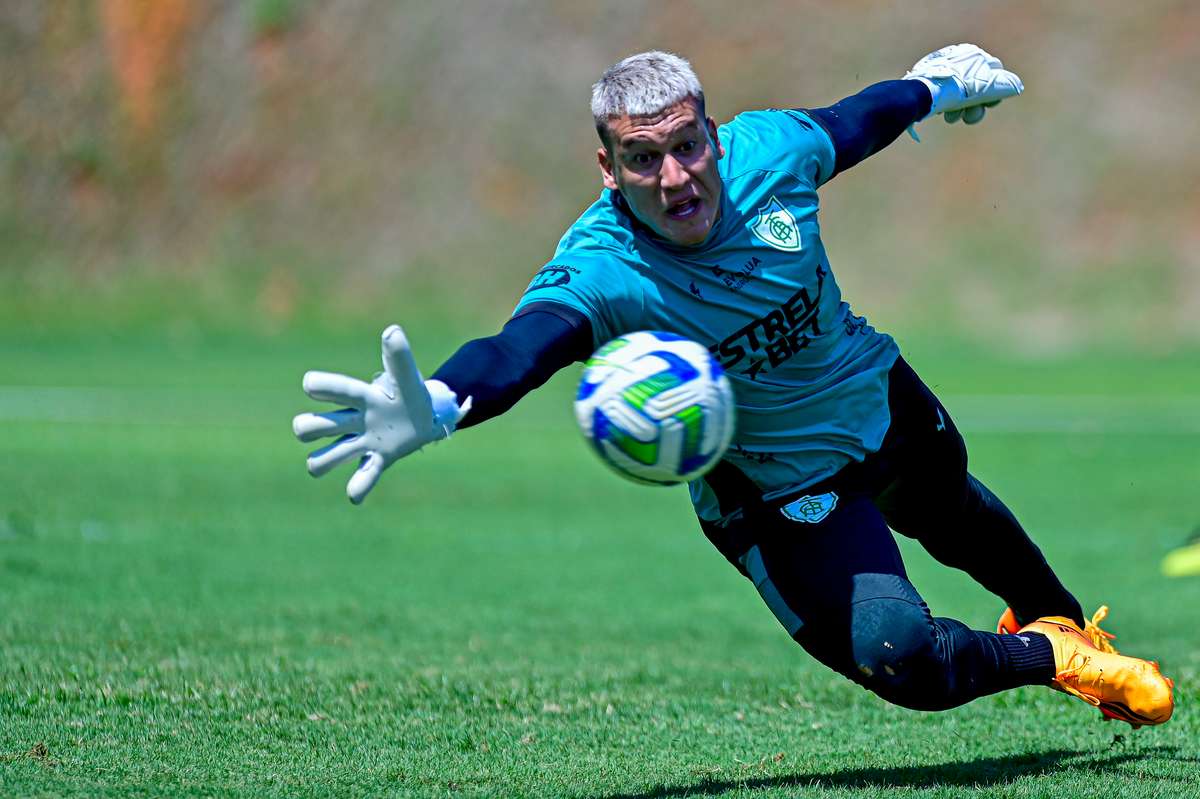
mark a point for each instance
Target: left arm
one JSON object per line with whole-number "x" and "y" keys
{"x": 863, "y": 124}
{"x": 960, "y": 81}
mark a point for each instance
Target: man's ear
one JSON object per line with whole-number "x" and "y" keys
{"x": 712, "y": 131}
{"x": 606, "y": 169}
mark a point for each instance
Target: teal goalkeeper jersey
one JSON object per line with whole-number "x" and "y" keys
{"x": 810, "y": 377}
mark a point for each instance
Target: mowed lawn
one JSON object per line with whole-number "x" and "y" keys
{"x": 183, "y": 611}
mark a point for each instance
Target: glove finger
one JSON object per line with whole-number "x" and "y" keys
{"x": 363, "y": 480}
{"x": 952, "y": 116}
{"x": 1006, "y": 84}
{"x": 973, "y": 115}
{"x": 311, "y": 426}
{"x": 340, "y": 451}
{"x": 399, "y": 364}
{"x": 330, "y": 387}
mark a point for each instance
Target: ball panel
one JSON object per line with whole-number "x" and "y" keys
{"x": 656, "y": 407}
{"x": 640, "y": 451}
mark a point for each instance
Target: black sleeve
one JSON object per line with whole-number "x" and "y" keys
{"x": 497, "y": 371}
{"x": 863, "y": 124}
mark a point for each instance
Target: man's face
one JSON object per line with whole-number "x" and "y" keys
{"x": 665, "y": 166}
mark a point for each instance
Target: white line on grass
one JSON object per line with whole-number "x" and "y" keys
{"x": 229, "y": 407}
{"x": 1080, "y": 414}
{"x": 234, "y": 407}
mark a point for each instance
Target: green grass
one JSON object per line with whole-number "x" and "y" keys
{"x": 183, "y": 611}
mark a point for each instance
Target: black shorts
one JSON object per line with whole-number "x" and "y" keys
{"x": 922, "y": 459}
{"x": 817, "y": 540}
{"x": 824, "y": 560}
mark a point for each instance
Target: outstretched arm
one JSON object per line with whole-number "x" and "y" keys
{"x": 960, "y": 81}
{"x": 863, "y": 124}
{"x": 398, "y": 412}
{"x": 497, "y": 371}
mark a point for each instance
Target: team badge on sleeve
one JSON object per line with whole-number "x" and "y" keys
{"x": 810, "y": 509}
{"x": 776, "y": 226}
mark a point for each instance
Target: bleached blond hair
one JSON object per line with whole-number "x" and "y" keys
{"x": 643, "y": 85}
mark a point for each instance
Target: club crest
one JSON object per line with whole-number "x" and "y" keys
{"x": 810, "y": 509}
{"x": 776, "y": 226}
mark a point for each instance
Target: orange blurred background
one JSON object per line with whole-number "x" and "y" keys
{"x": 297, "y": 159}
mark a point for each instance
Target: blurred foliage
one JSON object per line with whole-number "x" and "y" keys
{"x": 286, "y": 160}
{"x": 274, "y": 17}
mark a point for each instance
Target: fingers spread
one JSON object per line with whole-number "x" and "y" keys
{"x": 398, "y": 362}
{"x": 363, "y": 480}
{"x": 330, "y": 387}
{"x": 340, "y": 451}
{"x": 311, "y": 426}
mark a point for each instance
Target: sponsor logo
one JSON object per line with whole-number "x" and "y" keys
{"x": 776, "y": 227}
{"x": 810, "y": 509}
{"x": 757, "y": 457}
{"x": 855, "y": 325}
{"x": 737, "y": 278}
{"x": 550, "y": 276}
{"x": 776, "y": 336}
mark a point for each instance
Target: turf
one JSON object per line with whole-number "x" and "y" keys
{"x": 183, "y": 611}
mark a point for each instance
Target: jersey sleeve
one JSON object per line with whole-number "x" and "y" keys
{"x": 863, "y": 124}
{"x": 781, "y": 140}
{"x": 495, "y": 372}
{"x": 601, "y": 288}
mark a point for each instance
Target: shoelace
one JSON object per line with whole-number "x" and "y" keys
{"x": 1069, "y": 675}
{"x": 1067, "y": 679}
{"x": 1100, "y": 638}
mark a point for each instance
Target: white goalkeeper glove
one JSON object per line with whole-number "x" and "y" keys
{"x": 965, "y": 80}
{"x": 394, "y": 415}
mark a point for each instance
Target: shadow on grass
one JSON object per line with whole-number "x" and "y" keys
{"x": 978, "y": 773}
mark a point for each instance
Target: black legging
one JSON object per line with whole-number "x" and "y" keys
{"x": 838, "y": 585}
{"x": 919, "y": 482}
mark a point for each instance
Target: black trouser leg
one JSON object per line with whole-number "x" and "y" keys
{"x": 840, "y": 589}
{"x": 932, "y": 498}
{"x": 833, "y": 576}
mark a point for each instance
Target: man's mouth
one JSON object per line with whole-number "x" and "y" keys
{"x": 685, "y": 209}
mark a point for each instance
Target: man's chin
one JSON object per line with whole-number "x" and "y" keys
{"x": 686, "y": 233}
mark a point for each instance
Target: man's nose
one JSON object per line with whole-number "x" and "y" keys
{"x": 674, "y": 176}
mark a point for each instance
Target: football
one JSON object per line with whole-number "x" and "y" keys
{"x": 656, "y": 407}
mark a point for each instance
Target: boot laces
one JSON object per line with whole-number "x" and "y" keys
{"x": 1101, "y": 639}
{"x": 1068, "y": 677}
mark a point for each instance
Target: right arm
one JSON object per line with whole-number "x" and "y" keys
{"x": 398, "y": 412}
{"x": 495, "y": 372}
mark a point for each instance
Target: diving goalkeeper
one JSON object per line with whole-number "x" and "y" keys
{"x": 711, "y": 233}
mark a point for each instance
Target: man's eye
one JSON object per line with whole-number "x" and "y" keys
{"x": 686, "y": 147}
{"x": 643, "y": 159}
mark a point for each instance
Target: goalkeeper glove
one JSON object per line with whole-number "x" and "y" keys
{"x": 965, "y": 80}
{"x": 392, "y": 416}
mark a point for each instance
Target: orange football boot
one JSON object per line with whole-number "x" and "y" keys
{"x": 1101, "y": 639}
{"x": 1125, "y": 688}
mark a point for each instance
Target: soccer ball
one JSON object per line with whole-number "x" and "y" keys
{"x": 656, "y": 407}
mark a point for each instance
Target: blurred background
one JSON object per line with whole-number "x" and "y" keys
{"x": 263, "y": 166}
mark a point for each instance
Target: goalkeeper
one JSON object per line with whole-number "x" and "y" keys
{"x": 711, "y": 233}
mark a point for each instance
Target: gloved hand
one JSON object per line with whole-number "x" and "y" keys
{"x": 965, "y": 80}
{"x": 395, "y": 414}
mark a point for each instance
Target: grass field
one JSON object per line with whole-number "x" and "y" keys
{"x": 183, "y": 611}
